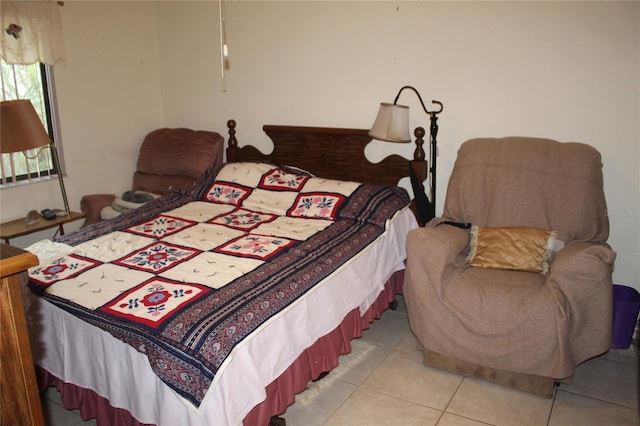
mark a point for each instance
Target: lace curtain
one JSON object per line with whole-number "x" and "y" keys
{"x": 31, "y": 32}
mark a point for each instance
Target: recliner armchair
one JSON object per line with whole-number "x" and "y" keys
{"x": 168, "y": 158}
{"x": 526, "y": 330}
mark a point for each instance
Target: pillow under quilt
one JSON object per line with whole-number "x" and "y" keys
{"x": 289, "y": 191}
{"x": 279, "y": 190}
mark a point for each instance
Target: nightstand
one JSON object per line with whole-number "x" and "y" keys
{"x": 18, "y": 227}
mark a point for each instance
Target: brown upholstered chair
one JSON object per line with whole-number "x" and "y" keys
{"x": 168, "y": 158}
{"x": 526, "y": 330}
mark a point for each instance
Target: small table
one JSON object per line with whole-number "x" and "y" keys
{"x": 18, "y": 227}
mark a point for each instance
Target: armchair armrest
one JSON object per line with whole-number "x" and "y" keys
{"x": 91, "y": 205}
{"x": 433, "y": 250}
{"x": 444, "y": 241}
{"x": 580, "y": 265}
{"x": 433, "y": 253}
{"x": 581, "y": 283}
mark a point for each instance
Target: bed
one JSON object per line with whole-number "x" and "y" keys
{"x": 192, "y": 343}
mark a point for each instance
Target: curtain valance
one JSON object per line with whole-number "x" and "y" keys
{"x": 31, "y": 32}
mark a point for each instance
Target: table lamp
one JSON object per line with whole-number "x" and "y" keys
{"x": 21, "y": 130}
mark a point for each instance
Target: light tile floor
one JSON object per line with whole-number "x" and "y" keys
{"x": 388, "y": 385}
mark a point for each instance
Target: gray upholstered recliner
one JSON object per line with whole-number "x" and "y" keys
{"x": 521, "y": 329}
{"x": 168, "y": 158}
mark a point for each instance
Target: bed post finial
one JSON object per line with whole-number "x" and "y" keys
{"x": 232, "y": 145}
{"x": 231, "y": 125}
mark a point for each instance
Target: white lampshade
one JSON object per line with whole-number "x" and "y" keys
{"x": 392, "y": 123}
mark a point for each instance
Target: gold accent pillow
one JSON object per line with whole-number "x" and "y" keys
{"x": 515, "y": 248}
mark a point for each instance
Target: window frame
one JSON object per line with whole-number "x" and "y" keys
{"x": 51, "y": 124}
{"x": 51, "y": 110}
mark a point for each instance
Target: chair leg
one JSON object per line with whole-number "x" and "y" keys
{"x": 277, "y": 421}
{"x": 393, "y": 305}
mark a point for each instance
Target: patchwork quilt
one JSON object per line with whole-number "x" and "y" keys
{"x": 185, "y": 278}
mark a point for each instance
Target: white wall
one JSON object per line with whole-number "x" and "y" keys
{"x": 564, "y": 70}
{"x": 108, "y": 94}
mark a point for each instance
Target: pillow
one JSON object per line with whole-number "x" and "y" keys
{"x": 137, "y": 197}
{"x": 132, "y": 200}
{"x": 514, "y": 248}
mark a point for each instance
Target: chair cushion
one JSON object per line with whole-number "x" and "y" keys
{"x": 518, "y": 248}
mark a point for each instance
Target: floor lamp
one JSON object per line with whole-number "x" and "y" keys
{"x": 392, "y": 125}
{"x": 21, "y": 129}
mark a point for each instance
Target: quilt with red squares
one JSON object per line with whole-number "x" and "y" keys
{"x": 185, "y": 278}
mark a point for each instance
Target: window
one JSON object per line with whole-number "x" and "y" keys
{"x": 31, "y": 82}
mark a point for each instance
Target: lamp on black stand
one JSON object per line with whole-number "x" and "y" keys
{"x": 392, "y": 125}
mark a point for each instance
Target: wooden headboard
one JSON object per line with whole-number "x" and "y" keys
{"x": 332, "y": 153}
